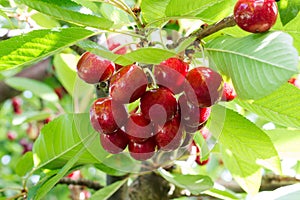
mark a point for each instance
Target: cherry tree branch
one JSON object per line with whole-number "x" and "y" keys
{"x": 82, "y": 182}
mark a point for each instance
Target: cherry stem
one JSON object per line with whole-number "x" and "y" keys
{"x": 148, "y": 71}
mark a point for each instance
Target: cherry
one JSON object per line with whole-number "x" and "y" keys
{"x": 106, "y": 115}
{"x": 113, "y": 45}
{"x": 192, "y": 115}
{"x": 138, "y": 128}
{"x": 94, "y": 69}
{"x": 204, "y": 86}
{"x": 16, "y": 104}
{"x": 60, "y": 92}
{"x": 295, "y": 81}
{"x": 115, "y": 142}
{"x": 169, "y": 136}
{"x": 142, "y": 151}
{"x": 128, "y": 84}
{"x": 255, "y": 16}
{"x": 75, "y": 175}
{"x": 27, "y": 146}
{"x": 228, "y": 92}
{"x": 171, "y": 74}
{"x": 158, "y": 105}
{"x": 11, "y": 135}
{"x": 205, "y": 133}
{"x": 198, "y": 157}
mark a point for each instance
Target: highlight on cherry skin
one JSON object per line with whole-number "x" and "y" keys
{"x": 166, "y": 113}
{"x": 255, "y": 16}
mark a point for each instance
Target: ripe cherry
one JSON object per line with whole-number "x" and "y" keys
{"x": 204, "y": 86}
{"x": 171, "y": 74}
{"x": 138, "y": 128}
{"x": 11, "y": 135}
{"x": 142, "y": 151}
{"x": 159, "y": 105}
{"x": 94, "y": 69}
{"x": 115, "y": 142}
{"x": 255, "y": 16}
{"x": 107, "y": 115}
{"x": 128, "y": 84}
{"x": 192, "y": 115}
{"x": 114, "y": 45}
{"x": 228, "y": 92}
{"x": 16, "y": 104}
{"x": 198, "y": 157}
{"x": 169, "y": 136}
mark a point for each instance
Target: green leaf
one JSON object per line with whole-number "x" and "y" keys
{"x": 145, "y": 55}
{"x": 286, "y": 142}
{"x": 194, "y": 183}
{"x": 62, "y": 138}
{"x": 258, "y": 64}
{"x": 65, "y": 67}
{"x": 244, "y": 147}
{"x": 288, "y": 10}
{"x": 49, "y": 184}
{"x": 95, "y": 48}
{"x": 201, "y": 142}
{"x": 69, "y": 11}
{"x": 153, "y": 9}
{"x": 224, "y": 194}
{"x": 88, "y": 4}
{"x": 293, "y": 28}
{"x": 247, "y": 174}
{"x": 45, "y": 21}
{"x": 204, "y": 9}
{"x": 38, "y": 88}
{"x": 36, "y": 45}
{"x": 119, "y": 17}
{"x": 24, "y": 164}
{"x": 109, "y": 190}
{"x": 245, "y": 141}
{"x": 281, "y": 107}
{"x": 3, "y": 14}
{"x": 29, "y": 117}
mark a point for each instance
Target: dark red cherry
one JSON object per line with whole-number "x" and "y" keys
{"x": 204, "y": 86}
{"x": 171, "y": 74}
{"x": 138, "y": 128}
{"x": 192, "y": 115}
{"x": 255, "y": 16}
{"x": 11, "y": 135}
{"x": 142, "y": 151}
{"x": 228, "y": 92}
{"x": 115, "y": 142}
{"x": 94, "y": 69}
{"x": 159, "y": 105}
{"x": 107, "y": 115}
{"x": 169, "y": 136}
{"x": 128, "y": 84}
{"x": 16, "y": 104}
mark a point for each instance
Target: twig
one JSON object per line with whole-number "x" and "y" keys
{"x": 82, "y": 182}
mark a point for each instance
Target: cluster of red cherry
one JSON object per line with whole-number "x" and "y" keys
{"x": 175, "y": 103}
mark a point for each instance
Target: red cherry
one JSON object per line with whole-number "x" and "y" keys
{"x": 115, "y": 142}
{"x": 114, "y": 46}
{"x": 192, "y": 115}
{"x": 171, "y": 74}
{"x": 295, "y": 81}
{"x": 159, "y": 105}
{"x": 142, "y": 151}
{"x": 198, "y": 157}
{"x": 94, "y": 69}
{"x": 255, "y": 16}
{"x": 138, "y": 128}
{"x": 169, "y": 136}
{"x": 16, "y": 104}
{"x": 128, "y": 84}
{"x": 228, "y": 92}
{"x": 60, "y": 91}
{"x": 11, "y": 135}
{"x": 204, "y": 86}
{"x": 107, "y": 116}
